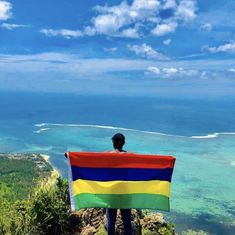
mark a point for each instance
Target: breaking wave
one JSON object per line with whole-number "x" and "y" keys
{"x": 104, "y": 127}
{"x": 41, "y": 130}
{"x": 208, "y": 136}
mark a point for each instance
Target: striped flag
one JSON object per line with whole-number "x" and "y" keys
{"x": 120, "y": 180}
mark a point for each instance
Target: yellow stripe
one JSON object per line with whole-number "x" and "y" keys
{"x": 121, "y": 187}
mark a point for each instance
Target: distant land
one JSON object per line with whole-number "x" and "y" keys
{"x": 20, "y": 173}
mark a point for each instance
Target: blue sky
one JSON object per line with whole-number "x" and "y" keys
{"x": 138, "y": 47}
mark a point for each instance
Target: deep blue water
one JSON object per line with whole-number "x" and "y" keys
{"x": 200, "y": 133}
{"x": 171, "y": 116}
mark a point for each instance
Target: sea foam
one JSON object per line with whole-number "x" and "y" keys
{"x": 41, "y": 130}
{"x": 40, "y": 124}
{"x": 208, "y": 136}
{"x": 105, "y": 127}
{"x": 214, "y": 135}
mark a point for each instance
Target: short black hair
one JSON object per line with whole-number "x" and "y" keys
{"x": 118, "y": 138}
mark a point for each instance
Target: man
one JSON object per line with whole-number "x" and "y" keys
{"x": 111, "y": 214}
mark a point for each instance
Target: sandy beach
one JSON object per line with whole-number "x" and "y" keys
{"x": 54, "y": 173}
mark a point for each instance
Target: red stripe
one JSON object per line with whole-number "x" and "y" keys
{"x": 120, "y": 160}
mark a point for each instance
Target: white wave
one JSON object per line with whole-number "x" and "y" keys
{"x": 214, "y": 135}
{"x": 209, "y": 136}
{"x": 105, "y": 127}
{"x": 40, "y": 124}
{"x": 79, "y": 125}
{"x": 41, "y": 130}
{"x": 227, "y": 133}
{"x": 232, "y": 163}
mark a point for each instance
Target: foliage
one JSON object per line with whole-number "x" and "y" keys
{"x": 20, "y": 174}
{"x": 45, "y": 212}
{"x": 18, "y": 219}
{"x": 168, "y": 229}
{"x": 29, "y": 205}
{"x": 145, "y": 231}
{"x": 101, "y": 230}
{"x": 50, "y": 210}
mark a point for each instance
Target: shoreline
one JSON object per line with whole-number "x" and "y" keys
{"x": 54, "y": 173}
{"x": 47, "y": 159}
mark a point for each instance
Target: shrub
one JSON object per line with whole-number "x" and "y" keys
{"x": 50, "y": 210}
{"x": 47, "y": 211}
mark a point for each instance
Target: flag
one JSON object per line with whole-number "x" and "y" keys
{"x": 120, "y": 180}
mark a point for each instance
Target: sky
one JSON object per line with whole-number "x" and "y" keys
{"x": 134, "y": 47}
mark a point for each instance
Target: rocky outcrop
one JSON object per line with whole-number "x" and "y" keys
{"x": 92, "y": 221}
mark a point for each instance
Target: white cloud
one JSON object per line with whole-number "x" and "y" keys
{"x": 172, "y": 72}
{"x": 204, "y": 75}
{"x": 169, "y": 4}
{"x": 68, "y": 72}
{"x": 163, "y": 29}
{"x": 107, "y": 64}
{"x": 118, "y": 20}
{"x": 106, "y": 24}
{"x": 130, "y": 33}
{"x": 67, "y": 33}
{"x": 167, "y": 41}
{"x": 13, "y": 26}
{"x": 112, "y": 18}
{"x": 206, "y": 27}
{"x": 147, "y": 51}
{"x": 142, "y": 5}
{"x": 89, "y": 31}
{"x": 190, "y": 72}
{"x": 228, "y": 47}
{"x": 186, "y": 10}
{"x": 154, "y": 70}
{"x": 5, "y": 10}
{"x": 69, "y": 64}
{"x": 130, "y": 20}
{"x": 232, "y": 70}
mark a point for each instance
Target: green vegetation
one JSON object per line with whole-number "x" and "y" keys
{"x": 46, "y": 211}
{"x": 28, "y": 208}
{"x": 101, "y": 231}
{"x": 50, "y": 210}
{"x": 167, "y": 229}
{"x": 19, "y": 173}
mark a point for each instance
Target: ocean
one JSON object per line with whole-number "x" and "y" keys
{"x": 200, "y": 133}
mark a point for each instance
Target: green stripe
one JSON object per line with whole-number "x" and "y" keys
{"x": 122, "y": 201}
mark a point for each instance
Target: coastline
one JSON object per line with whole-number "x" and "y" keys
{"x": 54, "y": 173}
{"x": 45, "y": 157}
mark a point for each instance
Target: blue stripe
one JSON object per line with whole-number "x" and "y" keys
{"x": 131, "y": 174}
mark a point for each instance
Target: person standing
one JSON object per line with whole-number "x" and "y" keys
{"x": 111, "y": 214}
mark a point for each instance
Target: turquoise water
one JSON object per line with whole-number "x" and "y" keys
{"x": 203, "y": 185}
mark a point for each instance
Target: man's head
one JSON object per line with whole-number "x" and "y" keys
{"x": 118, "y": 141}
